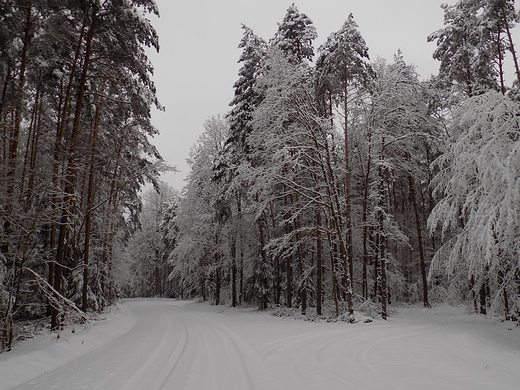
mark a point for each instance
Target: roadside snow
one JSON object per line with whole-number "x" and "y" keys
{"x": 162, "y": 344}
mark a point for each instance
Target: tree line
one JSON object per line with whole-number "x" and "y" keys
{"x": 337, "y": 183}
{"x": 76, "y": 96}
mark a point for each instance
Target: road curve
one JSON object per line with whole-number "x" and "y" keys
{"x": 168, "y": 347}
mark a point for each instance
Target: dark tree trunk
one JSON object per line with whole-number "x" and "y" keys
{"x": 158, "y": 281}
{"x": 90, "y": 200}
{"x": 422, "y": 261}
{"x": 349, "y": 267}
{"x": 234, "y": 274}
{"x": 217, "y": 281}
{"x": 512, "y": 49}
{"x": 71, "y": 175}
{"x": 319, "y": 264}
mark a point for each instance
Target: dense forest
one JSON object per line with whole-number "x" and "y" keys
{"x": 336, "y": 183}
{"x": 76, "y": 97}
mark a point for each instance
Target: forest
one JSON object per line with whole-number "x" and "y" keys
{"x": 335, "y": 184}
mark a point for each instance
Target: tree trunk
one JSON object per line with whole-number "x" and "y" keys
{"x": 234, "y": 273}
{"x": 319, "y": 263}
{"x": 15, "y": 133}
{"x": 241, "y": 256}
{"x": 217, "y": 279}
{"x": 263, "y": 293}
{"x": 512, "y": 49}
{"x": 158, "y": 279}
{"x": 335, "y": 289}
{"x": 90, "y": 200}
{"x": 384, "y": 292}
{"x": 71, "y": 174}
{"x": 348, "y": 213}
{"x": 413, "y": 198}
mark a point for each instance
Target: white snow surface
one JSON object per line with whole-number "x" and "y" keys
{"x": 167, "y": 344}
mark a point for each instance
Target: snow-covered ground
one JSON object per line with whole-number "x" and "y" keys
{"x": 166, "y": 344}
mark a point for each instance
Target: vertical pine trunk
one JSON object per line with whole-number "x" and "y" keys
{"x": 319, "y": 263}
{"x": 263, "y": 294}
{"x": 422, "y": 261}
{"x": 241, "y": 257}
{"x": 349, "y": 271}
{"x": 383, "y": 195}
{"x": 301, "y": 266}
{"x": 482, "y": 299}
{"x": 158, "y": 279}
{"x": 288, "y": 269}
{"x": 30, "y": 146}
{"x": 384, "y": 291}
{"x": 59, "y": 155}
{"x": 90, "y": 200}
{"x": 33, "y": 155}
{"x": 366, "y": 180}
{"x": 277, "y": 281}
{"x": 500, "y": 64}
{"x": 303, "y": 286}
{"x": 505, "y": 301}
{"x": 217, "y": 283}
{"x": 68, "y": 201}
{"x": 335, "y": 289}
{"x": 512, "y": 49}
{"x": 15, "y": 133}
{"x": 234, "y": 273}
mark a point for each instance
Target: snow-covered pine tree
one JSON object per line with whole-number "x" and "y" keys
{"x": 247, "y": 95}
{"x": 295, "y": 36}
{"x": 66, "y": 140}
{"x": 465, "y": 48}
{"x": 342, "y": 67}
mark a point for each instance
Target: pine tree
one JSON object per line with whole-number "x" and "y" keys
{"x": 247, "y": 95}
{"x": 465, "y": 48}
{"x": 295, "y": 36}
{"x": 342, "y": 67}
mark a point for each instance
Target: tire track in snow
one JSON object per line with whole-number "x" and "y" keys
{"x": 217, "y": 358}
{"x": 342, "y": 356}
{"x": 165, "y": 358}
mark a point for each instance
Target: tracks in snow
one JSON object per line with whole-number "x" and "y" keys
{"x": 166, "y": 344}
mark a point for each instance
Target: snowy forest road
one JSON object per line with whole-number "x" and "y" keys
{"x": 159, "y": 344}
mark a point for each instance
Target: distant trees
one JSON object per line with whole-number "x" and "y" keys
{"x": 151, "y": 245}
{"x": 203, "y": 242}
{"x": 75, "y": 108}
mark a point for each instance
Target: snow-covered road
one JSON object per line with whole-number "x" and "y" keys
{"x": 165, "y": 344}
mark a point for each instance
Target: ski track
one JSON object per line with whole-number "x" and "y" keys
{"x": 167, "y": 344}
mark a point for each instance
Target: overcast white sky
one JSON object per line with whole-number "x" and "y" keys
{"x": 197, "y": 64}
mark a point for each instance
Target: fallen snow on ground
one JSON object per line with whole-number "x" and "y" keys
{"x": 166, "y": 344}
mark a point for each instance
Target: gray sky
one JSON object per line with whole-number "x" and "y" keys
{"x": 197, "y": 64}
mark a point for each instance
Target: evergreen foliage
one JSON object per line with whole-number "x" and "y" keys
{"x": 75, "y": 150}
